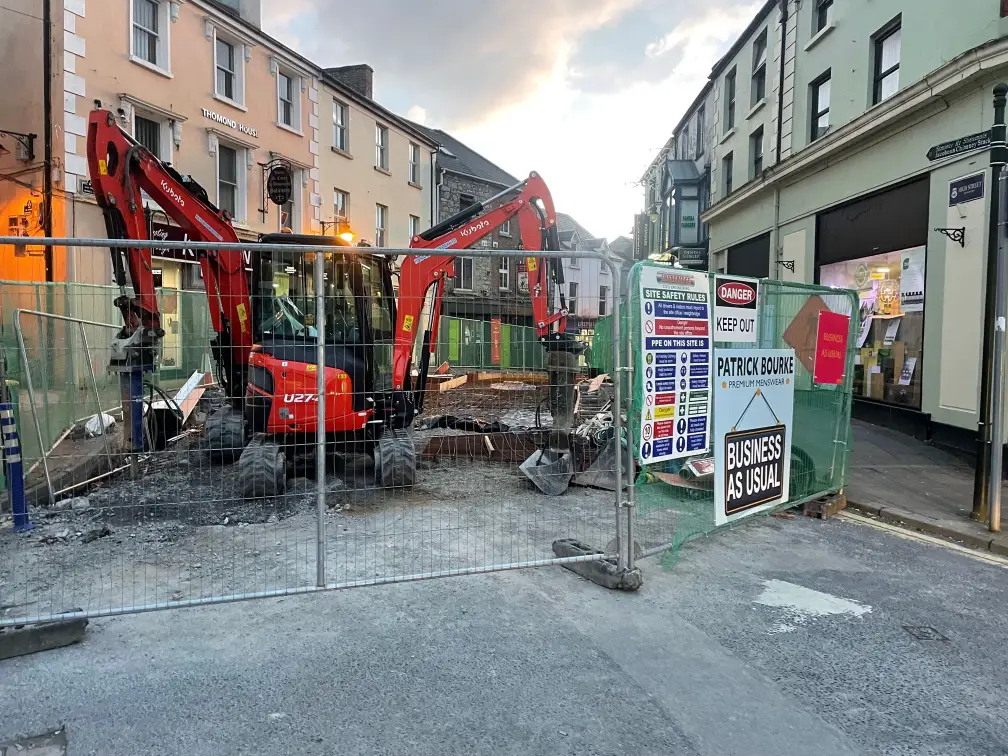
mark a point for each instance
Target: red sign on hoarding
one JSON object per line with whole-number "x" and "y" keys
{"x": 831, "y": 348}
{"x": 676, "y": 327}
{"x": 495, "y": 341}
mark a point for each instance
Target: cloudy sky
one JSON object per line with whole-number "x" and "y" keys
{"x": 583, "y": 91}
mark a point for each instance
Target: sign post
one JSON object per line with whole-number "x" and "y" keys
{"x": 752, "y": 430}
{"x": 676, "y": 373}
{"x": 982, "y": 471}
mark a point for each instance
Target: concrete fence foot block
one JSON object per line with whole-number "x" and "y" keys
{"x": 50, "y": 744}
{"x": 602, "y": 572}
{"x": 44, "y": 636}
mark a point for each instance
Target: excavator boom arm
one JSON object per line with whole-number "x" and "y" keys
{"x": 533, "y": 208}
{"x": 122, "y": 171}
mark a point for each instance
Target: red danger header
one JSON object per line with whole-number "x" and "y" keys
{"x": 736, "y": 293}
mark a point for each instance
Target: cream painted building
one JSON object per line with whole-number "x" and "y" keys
{"x": 377, "y": 169}
{"x": 202, "y": 85}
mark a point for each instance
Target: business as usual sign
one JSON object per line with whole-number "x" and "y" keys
{"x": 754, "y": 401}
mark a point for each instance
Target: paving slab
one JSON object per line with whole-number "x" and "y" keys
{"x": 899, "y": 479}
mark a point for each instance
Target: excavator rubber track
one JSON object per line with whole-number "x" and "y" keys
{"x": 262, "y": 470}
{"x": 395, "y": 460}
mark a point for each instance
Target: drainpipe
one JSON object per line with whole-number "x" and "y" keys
{"x": 47, "y": 184}
{"x": 435, "y": 188}
{"x": 780, "y": 87}
{"x": 775, "y": 252}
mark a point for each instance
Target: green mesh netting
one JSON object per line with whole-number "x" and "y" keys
{"x": 670, "y": 515}
{"x": 64, "y": 390}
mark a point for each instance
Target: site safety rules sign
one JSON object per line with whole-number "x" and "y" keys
{"x": 675, "y": 377}
{"x": 735, "y": 305}
{"x": 754, "y": 394}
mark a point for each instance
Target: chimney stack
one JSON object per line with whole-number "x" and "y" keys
{"x": 360, "y": 78}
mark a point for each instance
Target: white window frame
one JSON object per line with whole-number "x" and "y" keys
{"x": 414, "y": 164}
{"x": 463, "y": 265}
{"x": 505, "y": 228}
{"x": 381, "y": 224}
{"x": 337, "y": 192}
{"x": 572, "y": 295}
{"x": 381, "y": 147}
{"x": 165, "y": 136}
{"x": 504, "y": 274}
{"x": 297, "y": 83}
{"x": 239, "y": 73}
{"x": 241, "y": 198}
{"x": 414, "y": 225}
{"x": 603, "y": 303}
{"x": 340, "y": 107}
{"x": 759, "y": 73}
{"x": 164, "y": 39}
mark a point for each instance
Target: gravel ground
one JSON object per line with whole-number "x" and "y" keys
{"x": 182, "y": 534}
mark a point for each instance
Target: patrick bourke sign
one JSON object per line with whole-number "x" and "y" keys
{"x": 753, "y": 410}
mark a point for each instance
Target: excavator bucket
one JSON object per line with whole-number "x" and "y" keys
{"x": 550, "y": 470}
{"x": 552, "y": 467}
{"x": 602, "y": 471}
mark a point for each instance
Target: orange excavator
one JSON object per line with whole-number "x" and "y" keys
{"x": 266, "y": 344}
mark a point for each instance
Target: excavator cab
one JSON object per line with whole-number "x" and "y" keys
{"x": 359, "y": 307}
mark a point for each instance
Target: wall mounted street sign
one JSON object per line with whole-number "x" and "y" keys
{"x": 979, "y": 141}
{"x": 690, "y": 257}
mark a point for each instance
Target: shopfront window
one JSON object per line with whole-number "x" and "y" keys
{"x": 890, "y": 344}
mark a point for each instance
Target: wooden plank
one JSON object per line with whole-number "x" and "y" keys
{"x": 826, "y": 506}
{"x": 535, "y": 378}
{"x": 453, "y": 383}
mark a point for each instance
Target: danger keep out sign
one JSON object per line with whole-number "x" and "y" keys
{"x": 753, "y": 410}
{"x": 735, "y": 306}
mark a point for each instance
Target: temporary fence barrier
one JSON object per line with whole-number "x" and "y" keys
{"x": 225, "y": 508}
{"x": 247, "y": 497}
{"x": 672, "y": 502}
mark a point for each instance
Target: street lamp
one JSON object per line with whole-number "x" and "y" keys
{"x": 341, "y": 228}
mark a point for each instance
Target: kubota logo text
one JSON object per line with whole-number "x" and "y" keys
{"x": 474, "y": 228}
{"x": 172, "y": 193}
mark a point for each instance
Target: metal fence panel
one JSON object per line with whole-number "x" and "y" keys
{"x": 666, "y": 516}
{"x": 181, "y": 522}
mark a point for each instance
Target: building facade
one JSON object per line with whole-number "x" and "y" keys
{"x": 377, "y": 168}
{"x": 851, "y": 188}
{"x": 482, "y": 288}
{"x": 25, "y": 173}
{"x": 200, "y": 84}
{"x": 678, "y": 189}
{"x": 589, "y": 284}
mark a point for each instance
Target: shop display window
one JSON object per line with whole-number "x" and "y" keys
{"x": 890, "y": 343}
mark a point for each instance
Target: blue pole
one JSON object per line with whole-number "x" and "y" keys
{"x": 131, "y": 390}
{"x": 14, "y": 469}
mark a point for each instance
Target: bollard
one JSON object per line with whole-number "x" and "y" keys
{"x": 14, "y": 469}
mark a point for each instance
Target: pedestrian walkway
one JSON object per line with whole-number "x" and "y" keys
{"x": 898, "y": 478}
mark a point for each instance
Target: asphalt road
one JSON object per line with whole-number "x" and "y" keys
{"x": 778, "y": 637}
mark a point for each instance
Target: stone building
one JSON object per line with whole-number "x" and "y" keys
{"x": 483, "y": 288}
